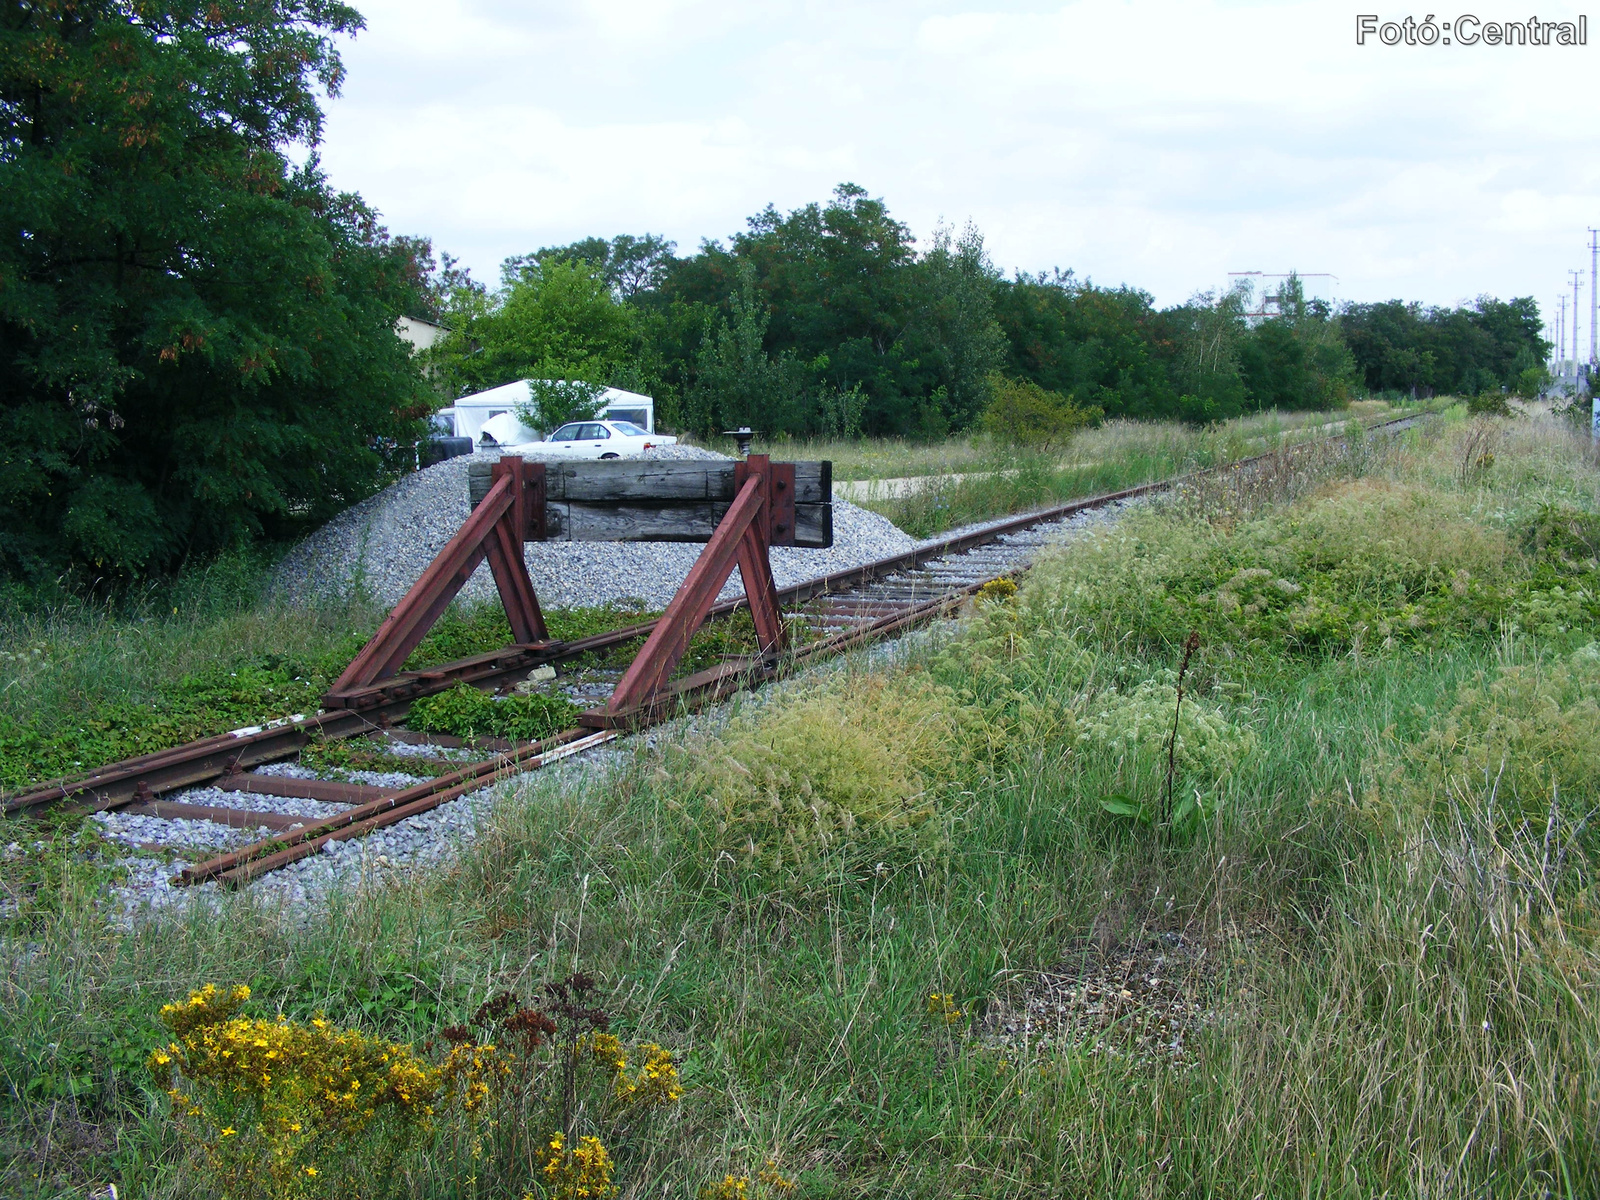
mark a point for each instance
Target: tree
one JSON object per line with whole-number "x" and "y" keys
{"x": 954, "y": 285}
{"x": 737, "y": 382}
{"x": 836, "y": 282}
{"x": 629, "y": 265}
{"x": 196, "y": 341}
{"x": 1297, "y": 359}
{"x": 1102, "y": 345}
{"x": 555, "y": 319}
{"x": 1207, "y": 333}
{"x": 1460, "y": 351}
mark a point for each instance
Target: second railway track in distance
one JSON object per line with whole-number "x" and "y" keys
{"x": 235, "y": 781}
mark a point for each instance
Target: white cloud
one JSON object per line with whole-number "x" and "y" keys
{"x": 1160, "y": 143}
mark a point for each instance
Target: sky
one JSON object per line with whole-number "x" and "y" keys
{"x": 1157, "y": 143}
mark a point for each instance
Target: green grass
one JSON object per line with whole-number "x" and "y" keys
{"x": 92, "y": 686}
{"x": 1395, "y": 994}
{"x": 1117, "y": 455}
{"x": 888, "y": 458}
{"x": 878, "y": 458}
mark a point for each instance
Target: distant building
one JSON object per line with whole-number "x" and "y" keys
{"x": 420, "y": 333}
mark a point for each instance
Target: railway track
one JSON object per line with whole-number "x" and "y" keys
{"x": 241, "y": 783}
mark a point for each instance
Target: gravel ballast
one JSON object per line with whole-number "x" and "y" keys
{"x": 384, "y": 543}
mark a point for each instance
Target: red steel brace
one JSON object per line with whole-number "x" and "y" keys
{"x": 742, "y": 536}
{"x": 495, "y": 529}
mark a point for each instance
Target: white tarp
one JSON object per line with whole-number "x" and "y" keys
{"x": 506, "y": 430}
{"x": 472, "y": 413}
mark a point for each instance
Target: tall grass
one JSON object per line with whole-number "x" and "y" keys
{"x": 1117, "y": 455}
{"x": 881, "y": 458}
{"x": 1390, "y": 970}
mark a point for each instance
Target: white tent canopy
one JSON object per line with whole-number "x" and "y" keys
{"x": 471, "y": 413}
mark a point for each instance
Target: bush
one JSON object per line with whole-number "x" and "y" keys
{"x": 1022, "y": 413}
{"x": 1490, "y": 404}
{"x": 291, "y": 1109}
{"x": 1359, "y": 564}
{"x": 1529, "y": 736}
{"x": 1531, "y": 383}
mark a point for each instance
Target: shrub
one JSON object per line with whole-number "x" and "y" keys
{"x": 1564, "y": 537}
{"x": 1022, "y": 413}
{"x": 1136, "y": 723}
{"x": 1490, "y": 404}
{"x": 1532, "y": 382}
{"x": 284, "y": 1109}
{"x": 1357, "y": 564}
{"x": 277, "y": 1103}
{"x": 1528, "y": 736}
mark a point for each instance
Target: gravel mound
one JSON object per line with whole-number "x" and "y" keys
{"x": 384, "y": 543}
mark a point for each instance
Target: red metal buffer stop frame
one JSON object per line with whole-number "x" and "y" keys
{"x": 762, "y": 515}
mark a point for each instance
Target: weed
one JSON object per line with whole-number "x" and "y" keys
{"x": 288, "y": 1108}
{"x": 465, "y": 712}
{"x": 1526, "y": 738}
{"x": 1367, "y": 972}
{"x": 340, "y": 757}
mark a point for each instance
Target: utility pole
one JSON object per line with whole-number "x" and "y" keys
{"x": 1561, "y": 333}
{"x": 1594, "y": 292}
{"x": 1577, "y": 279}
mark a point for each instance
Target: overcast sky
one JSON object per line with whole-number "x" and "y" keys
{"x": 1160, "y": 143}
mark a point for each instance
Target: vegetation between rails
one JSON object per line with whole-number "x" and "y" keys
{"x": 93, "y": 687}
{"x": 927, "y": 927}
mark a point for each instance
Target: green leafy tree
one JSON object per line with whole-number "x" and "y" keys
{"x": 837, "y": 283}
{"x": 737, "y": 382}
{"x": 1533, "y": 382}
{"x": 1106, "y": 346}
{"x": 954, "y": 287}
{"x": 196, "y": 340}
{"x": 554, "y": 402}
{"x": 629, "y": 265}
{"x": 1207, "y": 333}
{"x": 554, "y": 320}
{"x": 1298, "y": 358}
{"x": 1460, "y": 351}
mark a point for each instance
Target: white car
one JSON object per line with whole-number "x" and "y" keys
{"x": 603, "y": 439}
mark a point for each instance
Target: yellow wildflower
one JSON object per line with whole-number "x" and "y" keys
{"x": 729, "y": 1187}
{"x": 582, "y": 1173}
{"x": 942, "y": 1007}
{"x": 771, "y": 1178}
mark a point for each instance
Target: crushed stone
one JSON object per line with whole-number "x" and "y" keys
{"x": 383, "y": 544}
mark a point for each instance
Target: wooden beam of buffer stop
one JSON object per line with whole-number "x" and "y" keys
{"x": 739, "y": 510}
